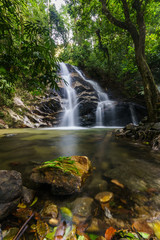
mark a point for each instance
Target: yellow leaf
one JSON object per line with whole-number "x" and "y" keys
{"x": 34, "y": 201}
{"x": 156, "y": 228}
{"x": 22, "y": 205}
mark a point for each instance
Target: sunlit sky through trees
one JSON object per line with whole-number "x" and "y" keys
{"x": 58, "y": 3}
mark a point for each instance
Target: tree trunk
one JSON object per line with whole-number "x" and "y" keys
{"x": 150, "y": 89}
{"x": 152, "y": 96}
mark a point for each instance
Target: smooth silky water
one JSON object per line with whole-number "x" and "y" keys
{"x": 132, "y": 164}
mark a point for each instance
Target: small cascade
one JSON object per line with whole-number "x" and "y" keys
{"x": 104, "y": 103}
{"x": 133, "y": 114}
{"x": 70, "y": 118}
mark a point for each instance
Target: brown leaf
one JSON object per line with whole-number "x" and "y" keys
{"x": 42, "y": 228}
{"x": 142, "y": 226}
{"x": 23, "y": 213}
{"x": 109, "y": 233}
{"x": 115, "y": 181}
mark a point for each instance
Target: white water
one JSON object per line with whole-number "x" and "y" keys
{"x": 104, "y": 102}
{"x": 105, "y": 108}
{"x": 70, "y": 118}
{"x": 133, "y": 115}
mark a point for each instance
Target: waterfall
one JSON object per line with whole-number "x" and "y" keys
{"x": 104, "y": 102}
{"x": 70, "y": 117}
{"x": 85, "y": 103}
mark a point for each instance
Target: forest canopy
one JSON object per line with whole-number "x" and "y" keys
{"x": 96, "y": 35}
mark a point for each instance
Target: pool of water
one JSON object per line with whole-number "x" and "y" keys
{"x": 136, "y": 166}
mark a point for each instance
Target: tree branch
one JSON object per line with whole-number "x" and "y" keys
{"x": 111, "y": 18}
{"x": 126, "y": 10}
{"x": 127, "y": 25}
{"x": 137, "y": 5}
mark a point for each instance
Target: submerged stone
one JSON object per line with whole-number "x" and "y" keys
{"x": 82, "y": 207}
{"x": 64, "y": 180}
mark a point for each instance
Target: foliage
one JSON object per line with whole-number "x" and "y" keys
{"x": 110, "y": 51}
{"x": 66, "y": 164}
{"x": 27, "y": 50}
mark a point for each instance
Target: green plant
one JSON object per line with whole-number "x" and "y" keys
{"x": 66, "y": 164}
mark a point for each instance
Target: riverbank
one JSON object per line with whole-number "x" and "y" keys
{"x": 146, "y": 133}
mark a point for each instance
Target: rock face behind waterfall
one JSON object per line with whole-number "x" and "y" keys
{"x": 62, "y": 182}
{"x": 87, "y": 100}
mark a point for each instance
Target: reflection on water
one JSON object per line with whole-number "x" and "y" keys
{"x": 136, "y": 166}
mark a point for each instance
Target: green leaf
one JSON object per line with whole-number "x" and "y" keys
{"x": 92, "y": 236}
{"x": 144, "y": 235}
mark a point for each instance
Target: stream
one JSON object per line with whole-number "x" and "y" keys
{"x": 131, "y": 164}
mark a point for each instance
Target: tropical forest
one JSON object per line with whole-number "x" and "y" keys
{"x": 79, "y": 119}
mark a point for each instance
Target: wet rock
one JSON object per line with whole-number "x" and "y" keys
{"x": 49, "y": 105}
{"x": 130, "y": 126}
{"x": 62, "y": 182}
{"x": 82, "y": 207}
{"x": 117, "y": 223}
{"x": 96, "y": 185}
{"x": 10, "y": 185}
{"x": 156, "y": 143}
{"x": 143, "y": 211}
{"x": 10, "y": 191}
{"x": 7, "y": 208}
{"x": 96, "y": 225}
{"x": 50, "y": 211}
{"x": 27, "y": 195}
{"x": 87, "y": 100}
{"x": 156, "y": 126}
{"x": 147, "y": 133}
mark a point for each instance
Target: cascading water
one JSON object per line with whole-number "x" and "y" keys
{"x": 70, "y": 118}
{"x": 133, "y": 115}
{"x": 104, "y": 103}
{"x": 86, "y": 104}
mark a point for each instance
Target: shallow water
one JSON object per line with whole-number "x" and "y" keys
{"x": 132, "y": 164}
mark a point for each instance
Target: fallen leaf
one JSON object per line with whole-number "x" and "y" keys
{"x": 142, "y": 226}
{"x": 42, "y": 229}
{"x": 116, "y": 182}
{"x": 21, "y": 205}
{"x": 156, "y": 228}
{"x": 23, "y": 213}
{"x": 34, "y": 201}
{"x": 109, "y": 233}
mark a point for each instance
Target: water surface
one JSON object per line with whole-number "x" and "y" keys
{"x": 132, "y": 164}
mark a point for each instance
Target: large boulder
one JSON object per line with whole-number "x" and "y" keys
{"x": 10, "y": 191}
{"x": 65, "y": 180}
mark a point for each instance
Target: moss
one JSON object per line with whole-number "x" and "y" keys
{"x": 65, "y": 164}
